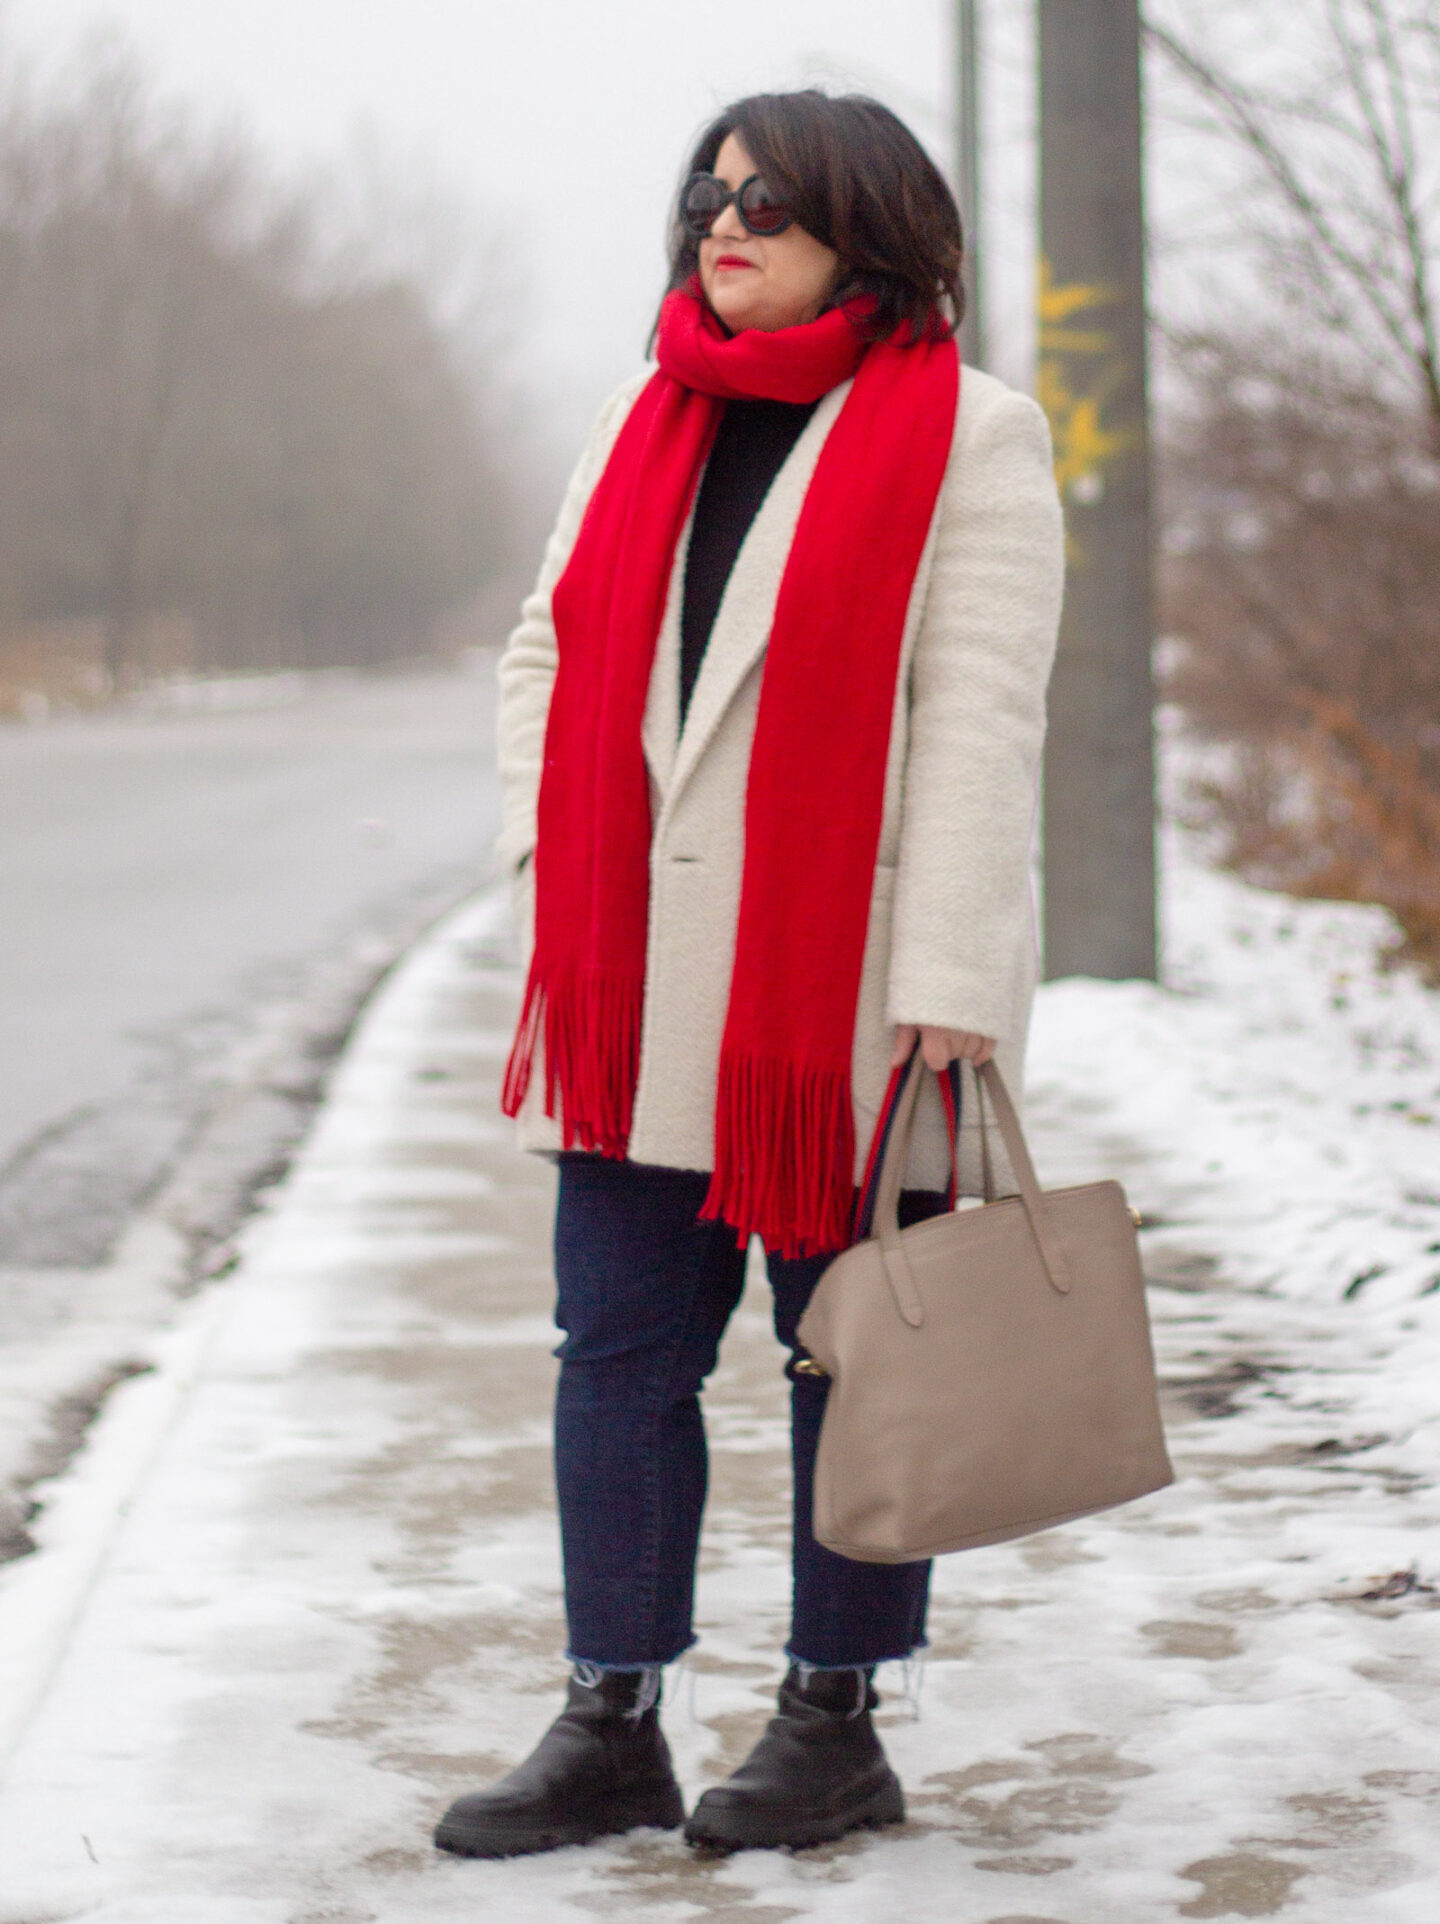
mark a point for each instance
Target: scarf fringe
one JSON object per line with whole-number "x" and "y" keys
{"x": 784, "y": 1155}
{"x": 516, "y": 1086}
{"x": 592, "y": 1055}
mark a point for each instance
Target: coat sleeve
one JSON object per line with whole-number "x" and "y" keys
{"x": 963, "y": 916}
{"x": 527, "y": 665}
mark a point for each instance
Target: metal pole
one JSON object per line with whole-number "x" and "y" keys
{"x": 1099, "y": 772}
{"x": 967, "y": 174}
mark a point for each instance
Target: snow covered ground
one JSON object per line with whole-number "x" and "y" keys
{"x": 302, "y": 1584}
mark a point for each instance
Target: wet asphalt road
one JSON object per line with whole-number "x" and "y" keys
{"x": 171, "y": 878}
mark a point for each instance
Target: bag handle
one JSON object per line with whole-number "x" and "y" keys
{"x": 949, "y": 1080}
{"x": 887, "y": 1228}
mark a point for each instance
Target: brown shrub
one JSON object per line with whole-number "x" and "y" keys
{"x": 1302, "y": 584}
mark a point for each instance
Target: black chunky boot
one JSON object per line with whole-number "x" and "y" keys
{"x": 817, "y": 1773}
{"x": 603, "y": 1767}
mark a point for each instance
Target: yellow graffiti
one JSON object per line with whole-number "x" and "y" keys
{"x": 1086, "y": 447}
{"x": 1059, "y": 303}
{"x": 1083, "y": 445}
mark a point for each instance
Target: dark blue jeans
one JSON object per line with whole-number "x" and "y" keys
{"x": 645, "y": 1292}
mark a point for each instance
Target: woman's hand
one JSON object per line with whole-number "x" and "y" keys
{"x": 942, "y": 1046}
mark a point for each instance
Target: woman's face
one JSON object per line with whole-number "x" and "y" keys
{"x": 765, "y": 281}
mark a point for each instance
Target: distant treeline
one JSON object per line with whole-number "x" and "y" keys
{"x": 226, "y": 440}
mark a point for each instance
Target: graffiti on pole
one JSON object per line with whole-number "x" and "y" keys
{"x": 1080, "y": 374}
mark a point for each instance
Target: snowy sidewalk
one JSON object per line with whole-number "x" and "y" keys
{"x": 302, "y": 1585}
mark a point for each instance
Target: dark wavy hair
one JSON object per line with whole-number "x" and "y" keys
{"x": 860, "y": 182}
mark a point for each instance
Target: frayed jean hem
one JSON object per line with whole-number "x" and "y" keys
{"x": 618, "y": 1669}
{"x": 804, "y": 1665}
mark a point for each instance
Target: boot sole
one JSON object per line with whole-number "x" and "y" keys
{"x": 759, "y": 1829}
{"x": 639, "y": 1810}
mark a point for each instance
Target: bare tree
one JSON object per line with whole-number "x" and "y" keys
{"x": 1302, "y": 469}
{"x": 1345, "y": 151}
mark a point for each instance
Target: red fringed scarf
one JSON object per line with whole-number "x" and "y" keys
{"x": 784, "y": 1133}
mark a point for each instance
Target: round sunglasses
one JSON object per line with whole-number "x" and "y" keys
{"x": 760, "y": 209}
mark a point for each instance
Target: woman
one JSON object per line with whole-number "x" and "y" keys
{"x": 769, "y": 736}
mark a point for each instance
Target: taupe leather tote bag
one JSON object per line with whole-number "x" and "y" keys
{"x": 992, "y": 1373}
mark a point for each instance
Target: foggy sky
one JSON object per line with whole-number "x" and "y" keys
{"x": 567, "y": 118}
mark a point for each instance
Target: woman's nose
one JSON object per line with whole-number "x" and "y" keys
{"x": 728, "y": 224}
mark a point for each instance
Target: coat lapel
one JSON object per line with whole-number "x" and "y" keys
{"x": 660, "y": 728}
{"x": 743, "y": 622}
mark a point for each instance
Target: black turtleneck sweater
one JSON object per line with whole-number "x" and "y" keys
{"x": 753, "y": 440}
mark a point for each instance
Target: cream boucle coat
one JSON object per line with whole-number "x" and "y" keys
{"x": 951, "y": 938}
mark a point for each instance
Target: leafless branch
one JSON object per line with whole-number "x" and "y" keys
{"x": 1366, "y": 239}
